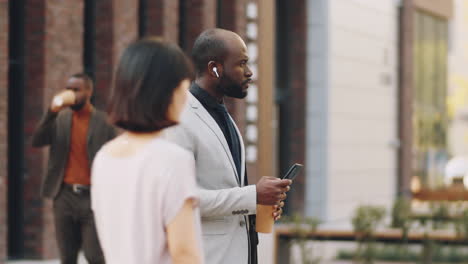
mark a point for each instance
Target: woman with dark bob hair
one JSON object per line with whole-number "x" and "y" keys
{"x": 144, "y": 191}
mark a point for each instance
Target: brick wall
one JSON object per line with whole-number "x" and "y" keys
{"x": 104, "y": 50}
{"x": 199, "y": 15}
{"x": 233, "y": 18}
{"x": 54, "y": 44}
{"x": 64, "y": 53}
{"x": 116, "y": 27}
{"x": 54, "y": 50}
{"x": 125, "y": 26}
{"x": 162, "y": 19}
{"x": 34, "y": 94}
{"x": 3, "y": 126}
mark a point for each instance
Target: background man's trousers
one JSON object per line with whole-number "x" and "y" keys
{"x": 75, "y": 228}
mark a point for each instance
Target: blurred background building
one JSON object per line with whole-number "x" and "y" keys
{"x": 457, "y": 101}
{"x": 370, "y": 95}
{"x": 352, "y": 107}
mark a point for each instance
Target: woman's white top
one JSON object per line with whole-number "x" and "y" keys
{"x": 134, "y": 198}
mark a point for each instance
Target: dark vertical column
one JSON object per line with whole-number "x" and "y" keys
{"x": 282, "y": 88}
{"x": 291, "y": 92}
{"x": 142, "y": 18}
{"x": 181, "y": 38}
{"x": 4, "y": 83}
{"x": 219, "y": 12}
{"x": 16, "y": 130}
{"x": 89, "y": 38}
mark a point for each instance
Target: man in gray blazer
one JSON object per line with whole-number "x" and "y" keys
{"x": 227, "y": 202}
{"x": 74, "y": 134}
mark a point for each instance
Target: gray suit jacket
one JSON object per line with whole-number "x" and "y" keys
{"x": 54, "y": 130}
{"x": 224, "y": 202}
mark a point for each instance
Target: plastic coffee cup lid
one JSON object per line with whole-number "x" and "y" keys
{"x": 58, "y": 101}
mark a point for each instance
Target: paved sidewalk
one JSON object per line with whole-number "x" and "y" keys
{"x": 55, "y": 261}
{"x": 81, "y": 260}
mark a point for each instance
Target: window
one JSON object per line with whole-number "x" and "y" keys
{"x": 430, "y": 118}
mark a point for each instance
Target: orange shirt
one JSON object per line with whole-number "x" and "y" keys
{"x": 77, "y": 170}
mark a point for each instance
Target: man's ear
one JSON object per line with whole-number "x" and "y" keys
{"x": 214, "y": 69}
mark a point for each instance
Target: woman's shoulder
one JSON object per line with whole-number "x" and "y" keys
{"x": 110, "y": 147}
{"x": 171, "y": 150}
{"x": 169, "y": 158}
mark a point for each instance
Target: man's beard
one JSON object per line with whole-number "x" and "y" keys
{"x": 78, "y": 106}
{"x": 232, "y": 89}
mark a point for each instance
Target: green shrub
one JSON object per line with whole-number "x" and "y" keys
{"x": 440, "y": 215}
{"x": 461, "y": 225}
{"x": 302, "y": 227}
{"x": 365, "y": 221}
{"x": 448, "y": 254}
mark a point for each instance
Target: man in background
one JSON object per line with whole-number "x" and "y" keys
{"x": 74, "y": 132}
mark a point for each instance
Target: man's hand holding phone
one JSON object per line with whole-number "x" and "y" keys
{"x": 272, "y": 191}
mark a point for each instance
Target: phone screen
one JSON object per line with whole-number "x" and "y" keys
{"x": 293, "y": 171}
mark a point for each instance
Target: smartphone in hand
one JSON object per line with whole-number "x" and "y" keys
{"x": 293, "y": 171}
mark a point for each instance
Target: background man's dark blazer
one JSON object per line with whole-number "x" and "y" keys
{"x": 55, "y": 131}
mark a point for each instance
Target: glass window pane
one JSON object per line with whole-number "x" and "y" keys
{"x": 429, "y": 103}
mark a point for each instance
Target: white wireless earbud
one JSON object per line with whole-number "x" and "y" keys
{"x": 216, "y": 71}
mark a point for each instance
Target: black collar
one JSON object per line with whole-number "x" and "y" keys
{"x": 204, "y": 97}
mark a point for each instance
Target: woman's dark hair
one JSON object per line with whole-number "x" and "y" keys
{"x": 147, "y": 75}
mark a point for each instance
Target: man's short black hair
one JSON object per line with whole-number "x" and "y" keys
{"x": 208, "y": 47}
{"x": 81, "y": 75}
{"x": 148, "y": 74}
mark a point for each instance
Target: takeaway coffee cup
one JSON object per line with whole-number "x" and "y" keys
{"x": 264, "y": 220}
{"x": 64, "y": 98}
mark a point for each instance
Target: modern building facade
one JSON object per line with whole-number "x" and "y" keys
{"x": 378, "y": 101}
{"x": 458, "y": 81}
{"x": 352, "y": 107}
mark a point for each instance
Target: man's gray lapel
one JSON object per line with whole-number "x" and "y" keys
{"x": 241, "y": 143}
{"x": 203, "y": 114}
